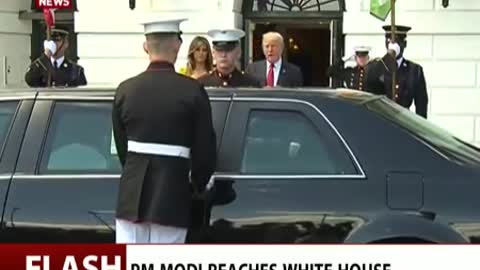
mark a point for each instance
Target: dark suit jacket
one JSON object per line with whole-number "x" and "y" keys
{"x": 411, "y": 85}
{"x": 290, "y": 75}
{"x": 147, "y": 108}
{"x": 68, "y": 74}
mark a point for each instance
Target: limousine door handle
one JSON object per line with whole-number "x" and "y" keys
{"x": 221, "y": 189}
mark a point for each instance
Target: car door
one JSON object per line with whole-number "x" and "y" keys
{"x": 288, "y": 176}
{"x": 65, "y": 186}
{"x": 14, "y": 113}
{"x": 65, "y": 183}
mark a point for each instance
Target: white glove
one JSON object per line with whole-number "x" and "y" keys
{"x": 394, "y": 47}
{"x": 51, "y": 46}
{"x": 347, "y": 58}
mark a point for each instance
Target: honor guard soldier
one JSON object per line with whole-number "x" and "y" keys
{"x": 162, "y": 125}
{"x": 226, "y": 52}
{"x": 352, "y": 77}
{"x": 64, "y": 72}
{"x": 410, "y": 83}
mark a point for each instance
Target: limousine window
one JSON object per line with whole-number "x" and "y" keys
{"x": 79, "y": 140}
{"x": 287, "y": 142}
{"x": 7, "y": 111}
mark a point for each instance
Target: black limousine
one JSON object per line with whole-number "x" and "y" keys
{"x": 295, "y": 166}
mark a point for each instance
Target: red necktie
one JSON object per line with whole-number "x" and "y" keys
{"x": 270, "y": 76}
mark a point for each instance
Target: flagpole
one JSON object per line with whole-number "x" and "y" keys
{"x": 49, "y": 79}
{"x": 394, "y": 72}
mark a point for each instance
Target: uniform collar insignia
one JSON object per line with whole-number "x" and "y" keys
{"x": 228, "y": 76}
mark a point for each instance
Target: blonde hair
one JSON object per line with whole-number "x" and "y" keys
{"x": 196, "y": 43}
{"x": 273, "y": 36}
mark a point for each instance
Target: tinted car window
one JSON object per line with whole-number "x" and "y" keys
{"x": 219, "y": 113}
{"x": 7, "y": 111}
{"x": 287, "y": 142}
{"x": 79, "y": 139}
{"x": 438, "y": 138}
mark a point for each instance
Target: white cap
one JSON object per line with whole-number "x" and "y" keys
{"x": 362, "y": 49}
{"x": 230, "y": 35}
{"x": 162, "y": 25}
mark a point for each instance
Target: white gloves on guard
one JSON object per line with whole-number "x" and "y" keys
{"x": 50, "y": 46}
{"x": 394, "y": 47}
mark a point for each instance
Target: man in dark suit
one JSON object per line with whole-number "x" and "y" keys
{"x": 164, "y": 135}
{"x": 64, "y": 72}
{"x": 275, "y": 71}
{"x": 410, "y": 83}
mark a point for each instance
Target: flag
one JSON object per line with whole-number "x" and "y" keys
{"x": 49, "y": 16}
{"x": 380, "y": 8}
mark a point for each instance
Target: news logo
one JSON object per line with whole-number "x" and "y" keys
{"x": 70, "y": 262}
{"x": 54, "y": 4}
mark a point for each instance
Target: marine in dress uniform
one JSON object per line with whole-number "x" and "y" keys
{"x": 410, "y": 84}
{"x": 64, "y": 72}
{"x": 226, "y": 51}
{"x": 352, "y": 77}
{"x": 166, "y": 143}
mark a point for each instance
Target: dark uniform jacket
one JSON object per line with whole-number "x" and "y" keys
{"x": 68, "y": 74}
{"x": 290, "y": 75}
{"x": 162, "y": 107}
{"x": 350, "y": 77}
{"x": 234, "y": 79}
{"x": 410, "y": 87}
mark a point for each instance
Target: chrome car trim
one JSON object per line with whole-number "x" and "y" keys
{"x": 101, "y": 98}
{"x": 5, "y": 177}
{"x": 62, "y": 176}
{"x": 216, "y": 175}
{"x": 283, "y": 176}
{"x": 362, "y": 173}
{"x": 73, "y": 97}
{"x": 13, "y": 98}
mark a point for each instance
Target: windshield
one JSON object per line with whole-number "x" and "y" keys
{"x": 438, "y": 138}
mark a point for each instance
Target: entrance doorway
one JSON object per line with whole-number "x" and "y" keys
{"x": 306, "y": 45}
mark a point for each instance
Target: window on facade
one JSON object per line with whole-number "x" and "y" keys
{"x": 288, "y": 143}
{"x": 79, "y": 140}
{"x": 7, "y": 111}
{"x": 297, "y": 5}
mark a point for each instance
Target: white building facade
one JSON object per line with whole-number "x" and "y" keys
{"x": 445, "y": 41}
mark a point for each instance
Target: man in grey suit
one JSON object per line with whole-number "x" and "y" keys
{"x": 275, "y": 71}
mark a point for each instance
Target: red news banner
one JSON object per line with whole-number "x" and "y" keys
{"x": 238, "y": 257}
{"x": 54, "y": 4}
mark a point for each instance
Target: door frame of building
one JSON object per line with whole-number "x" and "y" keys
{"x": 333, "y": 18}
{"x": 337, "y": 39}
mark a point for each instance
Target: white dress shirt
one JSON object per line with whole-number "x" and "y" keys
{"x": 399, "y": 62}
{"x": 59, "y": 61}
{"x": 276, "y": 70}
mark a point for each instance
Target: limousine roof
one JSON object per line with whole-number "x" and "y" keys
{"x": 108, "y": 91}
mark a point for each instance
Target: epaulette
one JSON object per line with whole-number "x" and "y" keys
{"x": 410, "y": 62}
{"x": 72, "y": 63}
{"x": 39, "y": 63}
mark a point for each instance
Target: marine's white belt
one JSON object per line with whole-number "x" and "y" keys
{"x": 159, "y": 149}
